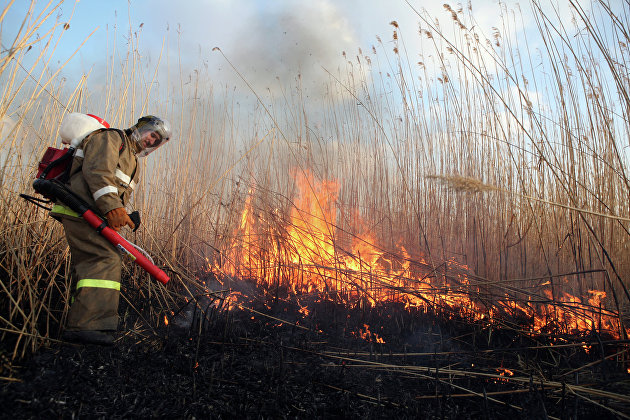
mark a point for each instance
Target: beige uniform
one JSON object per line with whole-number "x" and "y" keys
{"x": 103, "y": 174}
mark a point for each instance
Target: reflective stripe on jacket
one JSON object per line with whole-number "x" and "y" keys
{"x": 60, "y": 209}
{"x": 99, "y": 283}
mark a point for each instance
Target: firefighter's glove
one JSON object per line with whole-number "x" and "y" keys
{"x": 118, "y": 218}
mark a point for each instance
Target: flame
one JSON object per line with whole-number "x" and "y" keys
{"x": 231, "y": 302}
{"x": 597, "y": 297}
{"x": 309, "y": 254}
{"x": 367, "y": 335}
{"x": 505, "y": 372}
{"x": 304, "y": 310}
{"x": 165, "y": 320}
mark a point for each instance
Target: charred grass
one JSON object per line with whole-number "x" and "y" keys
{"x": 269, "y": 360}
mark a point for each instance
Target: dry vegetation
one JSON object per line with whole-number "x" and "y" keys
{"x": 534, "y": 163}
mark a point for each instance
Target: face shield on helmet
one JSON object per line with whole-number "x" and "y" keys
{"x": 149, "y": 133}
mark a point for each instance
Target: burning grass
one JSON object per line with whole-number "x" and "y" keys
{"x": 301, "y": 255}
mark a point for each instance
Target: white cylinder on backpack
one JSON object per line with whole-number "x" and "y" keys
{"x": 75, "y": 126}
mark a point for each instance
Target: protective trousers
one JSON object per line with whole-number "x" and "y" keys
{"x": 97, "y": 267}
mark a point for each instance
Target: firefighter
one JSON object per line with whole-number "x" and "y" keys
{"x": 104, "y": 174}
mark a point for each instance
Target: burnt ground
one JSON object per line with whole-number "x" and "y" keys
{"x": 226, "y": 364}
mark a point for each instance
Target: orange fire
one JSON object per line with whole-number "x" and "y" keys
{"x": 368, "y": 335}
{"x": 505, "y": 372}
{"x": 309, "y": 254}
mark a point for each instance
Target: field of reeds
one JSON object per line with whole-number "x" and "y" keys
{"x": 503, "y": 155}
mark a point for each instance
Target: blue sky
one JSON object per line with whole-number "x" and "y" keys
{"x": 264, "y": 39}
{"x": 269, "y": 42}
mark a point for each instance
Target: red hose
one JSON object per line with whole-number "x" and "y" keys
{"x": 119, "y": 242}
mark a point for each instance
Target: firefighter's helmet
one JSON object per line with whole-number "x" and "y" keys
{"x": 149, "y": 133}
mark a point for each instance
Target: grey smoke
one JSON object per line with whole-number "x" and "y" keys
{"x": 286, "y": 43}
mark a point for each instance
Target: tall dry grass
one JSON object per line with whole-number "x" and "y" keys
{"x": 36, "y": 287}
{"x": 545, "y": 150}
{"x": 545, "y": 126}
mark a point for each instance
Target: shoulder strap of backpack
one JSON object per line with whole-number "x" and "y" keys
{"x": 120, "y": 133}
{"x": 65, "y": 176}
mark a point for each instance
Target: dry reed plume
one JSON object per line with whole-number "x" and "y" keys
{"x": 472, "y": 185}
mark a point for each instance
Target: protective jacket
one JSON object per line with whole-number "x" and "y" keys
{"x": 103, "y": 174}
{"x": 103, "y": 171}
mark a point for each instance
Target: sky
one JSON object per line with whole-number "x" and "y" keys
{"x": 267, "y": 41}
